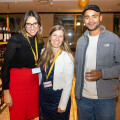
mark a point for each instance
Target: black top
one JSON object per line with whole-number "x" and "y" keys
{"x": 18, "y": 54}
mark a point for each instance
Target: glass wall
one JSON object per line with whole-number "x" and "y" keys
{"x": 10, "y": 21}
{"x": 67, "y": 21}
{"x": 9, "y": 25}
{"x": 116, "y": 29}
{"x": 80, "y": 26}
{"x": 73, "y": 25}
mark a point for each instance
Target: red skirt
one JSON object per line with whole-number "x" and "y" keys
{"x": 24, "y": 89}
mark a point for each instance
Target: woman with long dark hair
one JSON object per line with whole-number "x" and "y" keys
{"x": 19, "y": 72}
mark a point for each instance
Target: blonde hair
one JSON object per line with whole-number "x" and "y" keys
{"x": 48, "y": 53}
{"x": 23, "y": 24}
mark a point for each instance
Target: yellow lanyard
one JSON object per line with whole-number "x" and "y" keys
{"x": 36, "y": 47}
{"x": 52, "y": 64}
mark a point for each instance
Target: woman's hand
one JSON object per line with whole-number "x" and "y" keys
{"x": 61, "y": 111}
{"x": 8, "y": 98}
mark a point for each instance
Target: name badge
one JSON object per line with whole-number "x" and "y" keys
{"x": 47, "y": 84}
{"x": 36, "y": 70}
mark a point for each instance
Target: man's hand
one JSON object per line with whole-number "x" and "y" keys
{"x": 93, "y": 75}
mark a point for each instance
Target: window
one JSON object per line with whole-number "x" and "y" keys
{"x": 73, "y": 25}
{"x": 116, "y": 29}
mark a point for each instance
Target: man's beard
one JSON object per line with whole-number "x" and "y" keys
{"x": 93, "y": 28}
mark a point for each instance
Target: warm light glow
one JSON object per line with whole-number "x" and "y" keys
{"x": 83, "y": 3}
{"x": 7, "y": 23}
{"x": 69, "y": 34}
{"x": 78, "y": 23}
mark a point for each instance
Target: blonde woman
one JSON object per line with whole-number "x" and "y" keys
{"x": 57, "y": 69}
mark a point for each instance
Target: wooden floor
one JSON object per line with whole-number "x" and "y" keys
{"x": 118, "y": 110}
{"x": 118, "y": 107}
{"x": 5, "y": 114}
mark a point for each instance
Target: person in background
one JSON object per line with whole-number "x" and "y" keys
{"x": 97, "y": 69}
{"x": 57, "y": 69}
{"x": 19, "y": 73}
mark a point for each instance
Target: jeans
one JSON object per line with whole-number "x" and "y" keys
{"x": 96, "y": 109}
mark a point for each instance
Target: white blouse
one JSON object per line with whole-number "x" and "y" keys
{"x": 63, "y": 77}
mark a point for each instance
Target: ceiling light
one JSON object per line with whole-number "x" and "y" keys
{"x": 69, "y": 34}
{"x": 78, "y": 23}
{"x": 43, "y": 2}
{"x": 51, "y": 2}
